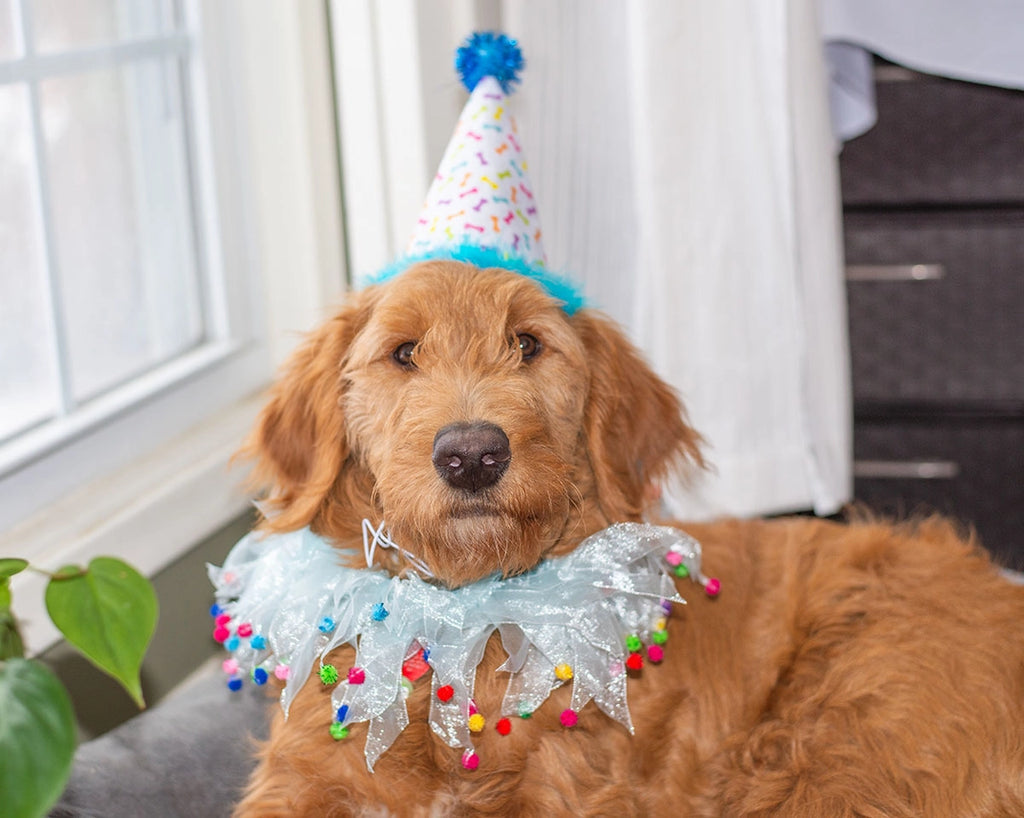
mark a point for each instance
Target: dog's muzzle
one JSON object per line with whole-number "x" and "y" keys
{"x": 471, "y": 456}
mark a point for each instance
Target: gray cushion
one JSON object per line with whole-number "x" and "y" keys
{"x": 188, "y": 756}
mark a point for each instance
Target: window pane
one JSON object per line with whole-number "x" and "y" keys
{"x": 122, "y": 219}
{"x": 63, "y": 24}
{"x": 8, "y": 39}
{"x": 28, "y": 381}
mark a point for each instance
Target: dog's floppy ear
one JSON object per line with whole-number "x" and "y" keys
{"x": 299, "y": 443}
{"x": 635, "y": 423}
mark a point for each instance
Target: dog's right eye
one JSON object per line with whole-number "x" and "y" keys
{"x": 403, "y": 354}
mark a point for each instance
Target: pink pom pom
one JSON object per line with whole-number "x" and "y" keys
{"x": 655, "y": 653}
{"x": 356, "y": 675}
{"x": 712, "y": 587}
{"x": 282, "y": 672}
{"x": 245, "y": 630}
{"x": 221, "y": 634}
{"x": 470, "y": 760}
{"x": 230, "y": 666}
{"x": 222, "y": 619}
{"x": 673, "y": 558}
{"x": 569, "y": 717}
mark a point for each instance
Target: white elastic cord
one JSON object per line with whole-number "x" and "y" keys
{"x": 380, "y": 538}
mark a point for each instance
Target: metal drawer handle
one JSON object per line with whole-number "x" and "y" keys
{"x": 895, "y": 272}
{"x": 906, "y": 469}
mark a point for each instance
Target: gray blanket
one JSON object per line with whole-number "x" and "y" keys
{"x": 187, "y": 757}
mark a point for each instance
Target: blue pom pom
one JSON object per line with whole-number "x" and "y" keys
{"x": 486, "y": 54}
{"x": 234, "y": 684}
{"x": 259, "y": 675}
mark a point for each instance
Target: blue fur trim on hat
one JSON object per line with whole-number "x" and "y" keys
{"x": 557, "y": 286}
{"x": 488, "y": 54}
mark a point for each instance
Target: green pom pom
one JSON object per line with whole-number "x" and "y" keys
{"x": 328, "y": 674}
{"x": 682, "y": 571}
{"x": 633, "y": 643}
{"x": 338, "y": 731}
{"x": 659, "y": 637}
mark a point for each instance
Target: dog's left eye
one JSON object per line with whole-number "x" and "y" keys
{"x": 403, "y": 354}
{"x": 529, "y": 346}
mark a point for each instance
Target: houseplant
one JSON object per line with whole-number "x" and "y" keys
{"x": 108, "y": 612}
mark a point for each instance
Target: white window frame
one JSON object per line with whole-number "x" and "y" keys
{"x": 151, "y": 478}
{"x": 398, "y": 102}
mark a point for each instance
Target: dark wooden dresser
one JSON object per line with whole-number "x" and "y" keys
{"x": 933, "y": 200}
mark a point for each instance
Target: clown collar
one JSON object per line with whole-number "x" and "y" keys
{"x": 284, "y": 603}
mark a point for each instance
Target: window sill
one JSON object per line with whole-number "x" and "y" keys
{"x": 149, "y": 514}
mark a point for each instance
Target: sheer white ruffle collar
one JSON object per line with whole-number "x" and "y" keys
{"x": 284, "y": 603}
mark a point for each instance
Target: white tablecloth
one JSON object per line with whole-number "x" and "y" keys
{"x": 978, "y": 41}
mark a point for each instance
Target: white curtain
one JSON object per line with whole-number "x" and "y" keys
{"x": 685, "y": 170}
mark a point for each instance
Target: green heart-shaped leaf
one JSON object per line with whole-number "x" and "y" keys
{"x": 9, "y": 566}
{"x": 37, "y": 738}
{"x": 109, "y": 613}
{"x": 11, "y": 646}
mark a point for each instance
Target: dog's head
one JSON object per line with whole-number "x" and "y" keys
{"x": 467, "y": 411}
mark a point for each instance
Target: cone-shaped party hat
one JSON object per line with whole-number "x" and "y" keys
{"x": 481, "y": 194}
{"x": 481, "y": 206}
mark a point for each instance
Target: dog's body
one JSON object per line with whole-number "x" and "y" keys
{"x": 860, "y": 670}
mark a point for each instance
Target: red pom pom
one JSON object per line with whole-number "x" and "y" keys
{"x": 569, "y": 718}
{"x": 222, "y": 619}
{"x": 655, "y": 653}
{"x": 245, "y": 630}
{"x": 712, "y": 587}
{"x": 634, "y": 661}
{"x": 470, "y": 760}
{"x": 445, "y": 693}
{"x": 504, "y": 726}
{"x": 356, "y": 675}
{"x": 221, "y": 634}
{"x": 414, "y": 667}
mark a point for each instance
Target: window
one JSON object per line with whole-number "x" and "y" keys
{"x": 169, "y": 223}
{"x": 109, "y": 293}
{"x": 102, "y": 280}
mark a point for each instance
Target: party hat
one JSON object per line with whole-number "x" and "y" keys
{"x": 481, "y": 194}
{"x": 481, "y": 206}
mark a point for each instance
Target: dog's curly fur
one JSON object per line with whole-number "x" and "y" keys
{"x": 845, "y": 670}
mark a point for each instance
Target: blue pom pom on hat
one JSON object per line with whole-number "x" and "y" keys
{"x": 487, "y": 54}
{"x": 481, "y": 206}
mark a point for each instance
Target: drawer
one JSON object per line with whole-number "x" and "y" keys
{"x": 971, "y": 470}
{"x": 938, "y": 141}
{"x": 956, "y": 335}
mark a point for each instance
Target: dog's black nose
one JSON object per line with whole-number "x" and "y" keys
{"x": 471, "y": 456}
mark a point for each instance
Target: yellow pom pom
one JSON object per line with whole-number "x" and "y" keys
{"x": 476, "y": 722}
{"x": 661, "y": 624}
{"x": 563, "y": 672}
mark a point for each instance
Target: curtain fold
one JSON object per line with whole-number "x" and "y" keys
{"x": 685, "y": 169}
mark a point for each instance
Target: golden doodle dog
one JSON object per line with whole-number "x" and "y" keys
{"x": 843, "y": 670}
